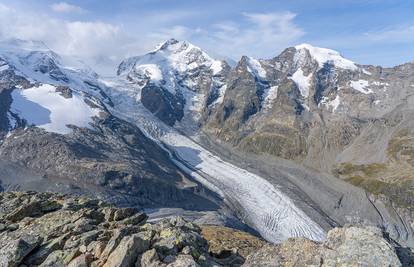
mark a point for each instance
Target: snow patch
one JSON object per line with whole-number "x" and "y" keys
{"x": 12, "y": 121}
{"x": 216, "y": 67}
{"x": 44, "y": 107}
{"x": 302, "y": 81}
{"x": 361, "y": 86}
{"x": 366, "y": 72}
{"x": 377, "y": 83}
{"x": 270, "y": 97}
{"x": 254, "y": 67}
{"x": 4, "y": 67}
{"x": 220, "y": 98}
{"x": 333, "y": 104}
{"x": 324, "y": 55}
{"x": 152, "y": 71}
{"x": 305, "y": 106}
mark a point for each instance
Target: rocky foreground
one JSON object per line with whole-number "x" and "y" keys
{"x": 45, "y": 229}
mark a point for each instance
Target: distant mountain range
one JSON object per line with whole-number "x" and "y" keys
{"x": 283, "y": 147}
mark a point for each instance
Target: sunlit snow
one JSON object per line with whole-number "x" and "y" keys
{"x": 324, "y": 55}
{"x": 270, "y": 97}
{"x": 4, "y": 67}
{"x": 302, "y": 81}
{"x": 361, "y": 86}
{"x": 44, "y": 107}
{"x": 256, "y": 68}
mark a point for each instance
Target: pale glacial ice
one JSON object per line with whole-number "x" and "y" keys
{"x": 257, "y": 202}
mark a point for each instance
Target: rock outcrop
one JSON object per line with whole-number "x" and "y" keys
{"x": 45, "y": 229}
{"x": 348, "y": 246}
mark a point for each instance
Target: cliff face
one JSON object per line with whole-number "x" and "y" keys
{"x": 44, "y": 229}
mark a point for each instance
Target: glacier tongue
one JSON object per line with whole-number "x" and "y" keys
{"x": 256, "y": 201}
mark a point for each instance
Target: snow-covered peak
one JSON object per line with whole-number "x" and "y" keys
{"x": 324, "y": 55}
{"x": 171, "y": 55}
{"x": 38, "y": 64}
{"x": 171, "y": 45}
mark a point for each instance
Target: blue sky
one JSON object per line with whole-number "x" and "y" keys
{"x": 102, "y": 32}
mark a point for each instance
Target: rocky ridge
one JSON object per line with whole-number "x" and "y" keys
{"x": 45, "y": 229}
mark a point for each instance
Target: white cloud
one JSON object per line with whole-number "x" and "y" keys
{"x": 64, "y": 7}
{"x": 103, "y": 45}
{"x": 92, "y": 41}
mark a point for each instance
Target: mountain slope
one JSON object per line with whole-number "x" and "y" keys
{"x": 57, "y": 134}
{"x": 320, "y": 104}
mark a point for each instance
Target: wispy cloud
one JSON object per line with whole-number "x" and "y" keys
{"x": 103, "y": 45}
{"x": 263, "y": 35}
{"x": 64, "y": 7}
{"x": 395, "y": 34}
{"x": 259, "y": 34}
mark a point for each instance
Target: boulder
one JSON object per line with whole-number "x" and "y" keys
{"x": 13, "y": 252}
{"x": 128, "y": 250}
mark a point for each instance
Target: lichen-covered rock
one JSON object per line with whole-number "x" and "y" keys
{"x": 358, "y": 246}
{"x": 293, "y": 252}
{"x": 80, "y": 232}
{"x": 348, "y": 246}
{"x": 223, "y": 240}
{"x": 128, "y": 250}
{"x": 12, "y": 252}
{"x": 149, "y": 258}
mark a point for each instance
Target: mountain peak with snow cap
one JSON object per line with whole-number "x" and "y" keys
{"x": 181, "y": 56}
{"x": 168, "y": 44}
{"x": 325, "y": 55}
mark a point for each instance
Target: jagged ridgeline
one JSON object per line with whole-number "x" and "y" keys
{"x": 285, "y": 147}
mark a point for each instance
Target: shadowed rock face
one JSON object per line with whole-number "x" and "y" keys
{"x": 45, "y": 229}
{"x": 167, "y": 107}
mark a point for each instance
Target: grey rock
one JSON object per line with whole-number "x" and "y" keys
{"x": 81, "y": 261}
{"x": 149, "y": 258}
{"x": 123, "y": 213}
{"x": 13, "y": 252}
{"x": 45, "y": 250}
{"x": 348, "y": 246}
{"x": 60, "y": 258}
{"x": 183, "y": 261}
{"x": 354, "y": 245}
{"x": 127, "y": 252}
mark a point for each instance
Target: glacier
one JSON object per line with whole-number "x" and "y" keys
{"x": 258, "y": 203}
